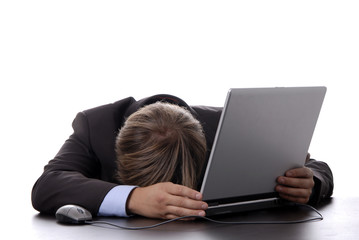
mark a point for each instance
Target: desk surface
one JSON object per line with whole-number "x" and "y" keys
{"x": 340, "y": 222}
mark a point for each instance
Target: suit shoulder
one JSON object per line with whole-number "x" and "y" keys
{"x": 208, "y": 111}
{"x": 208, "y": 116}
{"x": 106, "y": 119}
{"x": 118, "y": 106}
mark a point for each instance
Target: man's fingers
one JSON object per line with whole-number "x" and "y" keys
{"x": 175, "y": 211}
{"x": 185, "y": 197}
{"x": 296, "y": 182}
{"x": 303, "y": 172}
{"x": 296, "y": 185}
{"x": 183, "y": 191}
{"x": 297, "y": 178}
{"x": 295, "y": 192}
{"x": 184, "y": 202}
{"x": 296, "y": 199}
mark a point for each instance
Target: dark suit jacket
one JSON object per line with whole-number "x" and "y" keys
{"x": 83, "y": 170}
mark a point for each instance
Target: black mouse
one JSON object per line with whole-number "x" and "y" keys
{"x": 73, "y": 214}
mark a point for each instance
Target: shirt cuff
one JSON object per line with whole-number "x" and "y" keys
{"x": 114, "y": 203}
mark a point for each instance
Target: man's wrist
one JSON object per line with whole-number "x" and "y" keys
{"x": 128, "y": 211}
{"x": 114, "y": 203}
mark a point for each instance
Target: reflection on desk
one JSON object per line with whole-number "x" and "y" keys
{"x": 339, "y": 223}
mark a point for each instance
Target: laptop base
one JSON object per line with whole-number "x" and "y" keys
{"x": 243, "y": 206}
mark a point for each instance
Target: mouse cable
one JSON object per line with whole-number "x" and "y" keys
{"x": 317, "y": 218}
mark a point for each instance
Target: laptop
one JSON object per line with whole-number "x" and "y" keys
{"x": 262, "y": 133}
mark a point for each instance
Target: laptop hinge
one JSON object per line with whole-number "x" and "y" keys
{"x": 212, "y": 206}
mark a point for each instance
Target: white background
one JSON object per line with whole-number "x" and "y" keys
{"x": 60, "y": 57}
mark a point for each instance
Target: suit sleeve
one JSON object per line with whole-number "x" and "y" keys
{"x": 72, "y": 177}
{"x": 323, "y": 179}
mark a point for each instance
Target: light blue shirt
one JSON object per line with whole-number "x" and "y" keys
{"x": 114, "y": 203}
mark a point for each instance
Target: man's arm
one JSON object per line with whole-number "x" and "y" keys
{"x": 310, "y": 184}
{"x": 72, "y": 177}
{"x": 323, "y": 178}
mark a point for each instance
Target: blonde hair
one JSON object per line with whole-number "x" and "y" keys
{"x": 161, "y": 142}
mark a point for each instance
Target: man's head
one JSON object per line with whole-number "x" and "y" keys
{"x": 160, "y": 142}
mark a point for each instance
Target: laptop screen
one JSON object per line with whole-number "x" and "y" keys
{"x": 262, "y": 133}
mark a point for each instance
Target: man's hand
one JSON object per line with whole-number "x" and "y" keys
{"x": 296, "y": 185}
{"x": 166, "y": 201}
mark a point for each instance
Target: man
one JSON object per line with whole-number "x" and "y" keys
{"x": 87, "y": 172}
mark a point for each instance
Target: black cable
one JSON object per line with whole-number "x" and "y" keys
{"x": 318, "y": 218}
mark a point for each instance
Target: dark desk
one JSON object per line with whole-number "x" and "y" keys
{"x": 340, "y": 222}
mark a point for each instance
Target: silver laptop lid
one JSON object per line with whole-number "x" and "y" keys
{"x": 262, "y": 133}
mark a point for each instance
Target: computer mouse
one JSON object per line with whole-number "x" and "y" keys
{"x": 73, "y": 214}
